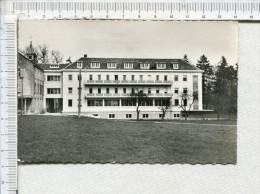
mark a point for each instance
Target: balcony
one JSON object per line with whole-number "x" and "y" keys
{"x": 127, "y": 82}
{"x": 122, "y": 95}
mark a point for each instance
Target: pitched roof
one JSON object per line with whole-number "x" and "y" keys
{"x": 51, "y": 66}
{"x": 35, "y": 65}
{"x": 182, "y": 65}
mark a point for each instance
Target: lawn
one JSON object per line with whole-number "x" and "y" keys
{"x": 69, "y": 139}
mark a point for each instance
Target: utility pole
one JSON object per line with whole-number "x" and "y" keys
{"x": 80, "y": 88}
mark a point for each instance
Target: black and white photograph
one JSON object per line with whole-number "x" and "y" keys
{"x": 127, "y": 92}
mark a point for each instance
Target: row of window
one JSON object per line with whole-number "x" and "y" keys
{"x": 133, "y": 78}
{"x": 128, "y": 102}
{"x": 145, "y": 116}
{"x": 129, "y": 65}
{"x": 108, "y": 90}
{"x": 70, "y": 90}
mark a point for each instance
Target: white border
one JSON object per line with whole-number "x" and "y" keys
{"x": 140, "y": 178}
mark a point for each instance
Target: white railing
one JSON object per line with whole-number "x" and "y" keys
{"x": 130, "y": 82}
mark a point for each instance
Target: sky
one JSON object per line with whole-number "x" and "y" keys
{"x": 134, "y": 39}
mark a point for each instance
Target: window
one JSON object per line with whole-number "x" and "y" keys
{"x": 161, "y": 65}
{"x": 54, "y": 66}
{"x": 95, "y": 102}
{"x": 185, "y": 78}
{"x": 185, "y": 90}
{"x": 157, "y": 77}
{"x": 176, "y": 102}
{"x": 70, "y": 103}
{"x": 70, "y": 90}
{"x": 176, "y": 78}
{"x": 99, "y": 90}
{"x": 124, "y": 77}
{"x": 99, "y": 77}
{"x": 116, "y": 77}
{"x": 157, "y": 91}
{"x": 111, "y": 102}
{"x": 107, "y": 90}
{"x": 53, "y": 78}
{"x": 111, "y": 65}
{"x": 128, "y": 65}
{"x": 185, "y": 102}
{"x": 128, "y": 102}
{"x": 111, "y": 116}
{"x": 128, "y": 116}
{"x": 160, "y": 115}
{"x": 183, "y": 115}
{"x": 79, "y": 64}
{"x": 132, "y": 77}
{"x": 175, "y": 66}
{"x": 165, "y": 78}
{"x": 90, "y": 77}
{"x": 132, "y": 90}
{"x": 145, "y": 116}
{"x": 149, "y": 90}
{"x": 141, "y": 77}
{"x": 53, "y": 90}
{"x": 124, "y": 90}
{"x": 70, "y": 77}
{"x": 176, "y": 90}
{"x": 116, "y": 90}
{"x": 107, "y": 77}
{"x": 162, "y": 102}
{"x": 147, "y": 102}
{"x": 95, "y": 65}
{"x": 144, "y": 65}
{"x": 90, "y": 90}
{"x": 176, "y": 115}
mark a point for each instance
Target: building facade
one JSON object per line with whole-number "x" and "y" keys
{"x": 30, "y": 85}
{"x": 105, "y": 85}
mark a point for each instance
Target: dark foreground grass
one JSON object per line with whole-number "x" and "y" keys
{"x": 60, "y": 139}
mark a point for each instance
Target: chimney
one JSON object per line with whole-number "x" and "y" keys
{"x": 85, "y": 55}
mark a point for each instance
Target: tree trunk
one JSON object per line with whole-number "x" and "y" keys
{"x": 218, "y": 115}
{"x": 137, "y": 112}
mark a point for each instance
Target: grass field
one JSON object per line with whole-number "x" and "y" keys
{"x": 60, "y": 139}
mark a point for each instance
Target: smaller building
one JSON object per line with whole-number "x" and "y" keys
{"x": 30, "y": 84}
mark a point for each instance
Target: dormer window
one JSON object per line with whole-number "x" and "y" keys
{"x": 161, "y": 65}
{"x": 128, "y": 65}
{"x": 54, "y": 66}
{"x": 95, "y": 65}
{"x": 144, "y": 65}
{"x": 175, "y": 66}
{"x": 79, "y": 64}
{"x": 111, "y": 65}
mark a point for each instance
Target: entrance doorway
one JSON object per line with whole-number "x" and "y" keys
{"x": 54, "y": 105}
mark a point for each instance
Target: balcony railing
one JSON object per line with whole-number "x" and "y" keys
{"x": 126, "y": 95}
{"x": 126, "y": 82}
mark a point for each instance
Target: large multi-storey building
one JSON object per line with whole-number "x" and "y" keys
{"x": 107, "y": 83}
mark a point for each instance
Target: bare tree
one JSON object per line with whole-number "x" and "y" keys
{"x": 43, "y": 54}
{"x": 187, "y": 100}
{"x": 56, "y": 57}
{"x": 165, "y": 109}
{"x": 138, "y": 96}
